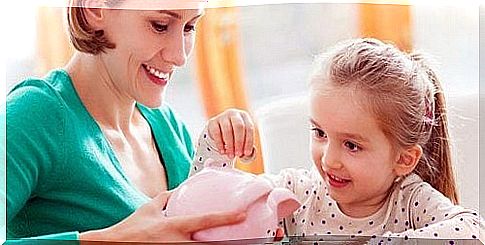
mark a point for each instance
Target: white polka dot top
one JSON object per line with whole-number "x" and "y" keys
{"x": 414, "y": 208}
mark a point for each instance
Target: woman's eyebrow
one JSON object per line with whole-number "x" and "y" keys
{"x": 176, "y": 15}
{"x": 171, "y": 13}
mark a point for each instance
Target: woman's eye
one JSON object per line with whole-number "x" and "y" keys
{"x": 159, "y": 27}
{"x": 352, "y": 146}
{"x": 318, "y": 133}
{"x": 189, "y": 28}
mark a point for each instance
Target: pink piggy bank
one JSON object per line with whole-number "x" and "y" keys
{"x": 227, "y": 189}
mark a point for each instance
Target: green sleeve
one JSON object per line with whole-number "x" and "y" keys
{"x": 181, "y": 129}
{"x": 34, "y": 119}
{"x": 65, "y": 238}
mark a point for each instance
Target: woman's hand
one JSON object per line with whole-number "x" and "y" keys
{"x": 148, "y": 224}
{"x": 233, "y": 133}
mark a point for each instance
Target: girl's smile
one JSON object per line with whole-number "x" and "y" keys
{"x": 336, "y": 182}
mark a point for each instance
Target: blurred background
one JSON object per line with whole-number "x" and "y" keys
{"x": 259, "y": 58}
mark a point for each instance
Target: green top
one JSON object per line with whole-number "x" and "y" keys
{"x": 62, "y": 174}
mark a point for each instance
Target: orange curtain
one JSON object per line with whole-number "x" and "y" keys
{"x": 53, "y": 47}
{"x": 219, "y": 68}
{"x": 388, "y": 22}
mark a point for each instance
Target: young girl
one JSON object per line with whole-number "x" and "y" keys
{"x": 380, "y": 146}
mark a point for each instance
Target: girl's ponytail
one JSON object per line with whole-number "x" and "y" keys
{"x": 436, "y": 152}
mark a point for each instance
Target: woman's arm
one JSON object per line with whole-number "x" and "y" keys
{"x": 148, "y": 224}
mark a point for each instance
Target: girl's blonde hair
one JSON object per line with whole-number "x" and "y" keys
{"x": 405, "y": 96}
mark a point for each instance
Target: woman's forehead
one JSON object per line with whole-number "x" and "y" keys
{"x": 148, "y": 4}
{"x": 165, "y": 4}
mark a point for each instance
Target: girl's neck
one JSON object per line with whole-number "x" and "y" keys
{"x": 109, "y": 106}
{"x": 366, "y": 208}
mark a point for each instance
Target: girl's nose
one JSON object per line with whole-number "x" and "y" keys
{"x": 330, "y": 157}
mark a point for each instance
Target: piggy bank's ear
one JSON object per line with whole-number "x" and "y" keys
{"x": 283, "y": 201}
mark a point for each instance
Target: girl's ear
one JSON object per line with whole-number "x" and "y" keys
{"x": 94, "y": 13}
{"x": 408, "y": 159}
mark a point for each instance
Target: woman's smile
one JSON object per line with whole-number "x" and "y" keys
{"x": 155, "y": 75}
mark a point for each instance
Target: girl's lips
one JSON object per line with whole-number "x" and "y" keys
{"x": 337, "y": 182}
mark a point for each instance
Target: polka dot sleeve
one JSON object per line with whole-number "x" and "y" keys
{"x": 435, "y": 216}
{"x": 207, "y": 150}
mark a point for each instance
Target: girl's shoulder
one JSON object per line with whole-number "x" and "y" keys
{"x": 412, "y": 193}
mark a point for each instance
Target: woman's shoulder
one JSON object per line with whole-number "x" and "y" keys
{"x": 37, "y": 93}
{"x": 36, "y": 100}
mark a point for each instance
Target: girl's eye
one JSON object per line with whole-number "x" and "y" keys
{"x": 189, "y": 28}
{"x": 159, "y": 27}
{"x": 318, "y": 133}
{"x": 352, "y": 146}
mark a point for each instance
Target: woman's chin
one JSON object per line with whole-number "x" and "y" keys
{"x": 154, "y": 103}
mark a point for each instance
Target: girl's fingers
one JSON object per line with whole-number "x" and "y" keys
{"x": 280, "y": 234}
{"x": 227, "y": 136}
{"x": 238, "y": 127}
{"x": 215, "y": 134}
{"x": 249, "y": 135}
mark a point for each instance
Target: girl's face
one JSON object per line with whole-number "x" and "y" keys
{"x": 351, "y": 152}
{"x": 150, "y": 45}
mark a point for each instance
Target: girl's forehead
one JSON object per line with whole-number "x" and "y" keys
{"x": 341, "y": 106}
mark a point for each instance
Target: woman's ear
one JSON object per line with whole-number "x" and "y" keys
{"x": 94, "y": 13}
{"x": 407, "y": 160}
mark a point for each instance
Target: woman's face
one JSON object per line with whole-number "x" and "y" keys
{"x": 150, "y": 45}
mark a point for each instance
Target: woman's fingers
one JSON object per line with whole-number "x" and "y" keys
{"x": 194, "y": 223}
{"x": 160, "y": 201}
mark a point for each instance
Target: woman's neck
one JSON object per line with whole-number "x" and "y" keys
{"x": 99, "y": 93}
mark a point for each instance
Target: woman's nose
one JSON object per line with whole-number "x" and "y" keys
{"x": 174, "y": 50}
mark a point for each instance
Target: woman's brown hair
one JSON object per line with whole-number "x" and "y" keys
{"x": 405, "y": 96}
{"x": 82, "y": 35}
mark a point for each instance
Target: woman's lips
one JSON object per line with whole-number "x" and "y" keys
{"x": 156, "y": 76}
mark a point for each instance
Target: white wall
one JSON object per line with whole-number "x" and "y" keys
{"x": 451, "y": 35}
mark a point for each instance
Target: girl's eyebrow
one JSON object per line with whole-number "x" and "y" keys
{"x": 358, "y": 137}
{"x": 314, "y": 122}
{"x": 344, "y": 135}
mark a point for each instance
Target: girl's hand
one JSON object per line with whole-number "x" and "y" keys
{"x": 233, "y": 133}
{"x": 148, "y": 224}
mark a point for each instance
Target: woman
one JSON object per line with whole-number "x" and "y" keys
{"x": 92, "y": 148}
